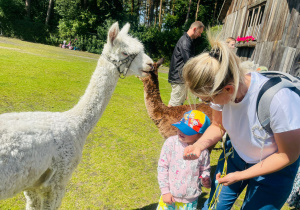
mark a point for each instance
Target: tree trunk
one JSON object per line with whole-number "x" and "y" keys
{"x": 188, "y": 12}
{"x": 28, "y": 7}
{"x": 138, "y": 8}
{"x": 146, "y": 17}
{"x": 173, "y": 7}
{"x": 132, "y": 7}
{"x": 215, "y": 11}
{"x": 196, "y": 16}
{"x": 160, "y": 19}
{"x": 156, "y": 19}
{"x": 49, "y": 11}
{"x": 151, "y": 12}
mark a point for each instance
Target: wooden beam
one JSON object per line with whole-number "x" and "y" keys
{"x": 258, "y": 2}
{"x": 246, "y": 44}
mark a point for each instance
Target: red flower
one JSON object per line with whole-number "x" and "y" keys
{"x": 245, "y": 39}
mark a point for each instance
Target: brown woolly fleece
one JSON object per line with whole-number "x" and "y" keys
{"x": 162, "y": 115}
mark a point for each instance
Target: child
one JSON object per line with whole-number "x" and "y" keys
{"x": 180, "y": 180}
{"x": 231, "y": 42}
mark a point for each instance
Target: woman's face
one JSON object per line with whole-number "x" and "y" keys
{"x": 222, "y": 97}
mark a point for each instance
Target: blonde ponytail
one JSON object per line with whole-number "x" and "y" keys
{"x": 206, "y": 74}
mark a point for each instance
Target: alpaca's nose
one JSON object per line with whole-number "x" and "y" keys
{"x": 151, "y": 66}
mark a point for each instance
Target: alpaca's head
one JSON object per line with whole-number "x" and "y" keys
{"x": 127, "y": 51}
{"x": 153, "y": 74}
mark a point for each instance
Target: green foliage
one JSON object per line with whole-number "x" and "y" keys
{"x": 85, "y": 23}
{"x": 38, "y": 11}
{"x": 25, "y": 30}
{"x": 68, "y": 9}
{"x": 171, "y": 21}
{"x": 12, "y": 9}
{"x": 149, "y": 36}
{"x": 74, "y": 20}
{"x": 217, "y": 28}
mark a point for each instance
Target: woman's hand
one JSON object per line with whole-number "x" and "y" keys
{"x": 191, "y": 152}
{"x": 168, "y": 198}
{"x": 229, "y": 178}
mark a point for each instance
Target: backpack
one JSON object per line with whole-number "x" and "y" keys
{"x": 277, "y": 81}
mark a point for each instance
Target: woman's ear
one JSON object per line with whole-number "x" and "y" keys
{"x": 229, "y": 89}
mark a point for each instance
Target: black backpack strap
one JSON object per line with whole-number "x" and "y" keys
{"x": 265, "y": 96}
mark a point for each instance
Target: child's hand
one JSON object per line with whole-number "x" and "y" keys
{"x": 191, "y": 153}
{"x": 206, "y": 182}
{"x": 168, "y": 198}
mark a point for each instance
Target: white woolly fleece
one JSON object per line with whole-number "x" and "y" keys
{"x": 40, "y": 150}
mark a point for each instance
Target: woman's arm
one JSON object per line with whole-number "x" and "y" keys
{"x": 210, "y": 137}
{"x": 288, "y": 152}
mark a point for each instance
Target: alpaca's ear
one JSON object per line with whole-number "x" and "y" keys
{"x": 161, "y": 61}
{"x": 125, "y": 29}
{"x": 113, "y": 33}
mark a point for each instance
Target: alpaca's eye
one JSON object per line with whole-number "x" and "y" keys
{"x": 124, "y": 53}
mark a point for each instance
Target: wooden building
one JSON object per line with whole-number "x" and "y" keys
{"x": 275, "y": 25}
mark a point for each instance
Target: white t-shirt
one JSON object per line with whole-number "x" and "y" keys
{"x": 240, "y": 120}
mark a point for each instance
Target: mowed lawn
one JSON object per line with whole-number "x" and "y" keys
{"x": 118, "y": 166}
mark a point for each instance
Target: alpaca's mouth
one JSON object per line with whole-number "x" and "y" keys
{"x": 145, "y": 72}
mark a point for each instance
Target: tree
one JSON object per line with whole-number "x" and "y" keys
{"x": 132, "y": 7}
{"x": 150, "y": 12}
{"x": 188, "y": 12}
{"x": 49, "y": 11}
{"x": 160, "y": 9}
{"x": 215, "y": 11}
{"x": 196, "y": 16}
{"x": 28, "y": 7}
{"x": 172, "y": 5}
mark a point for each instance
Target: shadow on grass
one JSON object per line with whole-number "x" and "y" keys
{"x": 149, "y": 207}
{"x": 201, "y": 200}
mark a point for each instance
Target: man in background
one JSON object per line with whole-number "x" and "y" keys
{"x": 184, "y": 50}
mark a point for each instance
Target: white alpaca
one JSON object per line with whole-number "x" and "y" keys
{"x": 40, "y": 150}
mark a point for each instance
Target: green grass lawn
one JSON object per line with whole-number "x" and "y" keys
{"x": 118, "y": 166}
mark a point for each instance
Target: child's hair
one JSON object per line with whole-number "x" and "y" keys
{"x": 208, "y": 73}
{"x": 229, "y": 39}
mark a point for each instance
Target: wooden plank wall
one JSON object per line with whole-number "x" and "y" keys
{"x": 278, "y": 43}
{"x": 295, "y": 70}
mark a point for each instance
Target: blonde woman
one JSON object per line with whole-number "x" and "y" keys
{"x": 264, "y": 163}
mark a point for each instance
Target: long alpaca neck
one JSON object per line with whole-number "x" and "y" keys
{"x": 93, "y": 103}
{"x": 154, "y": 104}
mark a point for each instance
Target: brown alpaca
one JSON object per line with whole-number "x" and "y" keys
{"x": 162, "y": 115}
